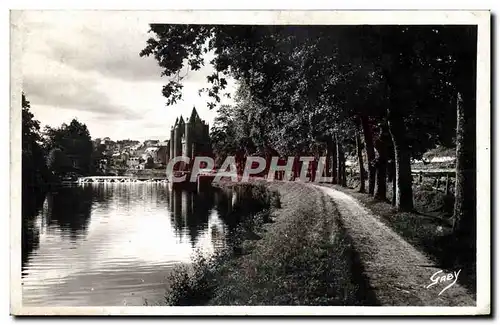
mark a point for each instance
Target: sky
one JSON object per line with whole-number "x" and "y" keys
{"x": 86, "y": 65}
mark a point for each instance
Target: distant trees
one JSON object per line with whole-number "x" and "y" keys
{"x": 58, "y": 162}
{"x": 98, "y": 156}
{"x": 150, "y": 163}
{"x": 52, "y": 153}
{"x": 74, "y": 142}
{"x": 223, "y": 134}
{"x": 310, "y": 88}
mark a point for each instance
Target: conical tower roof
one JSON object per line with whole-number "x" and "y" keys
{"x": 194, "y": 115}
{"x": 175, "y": 123}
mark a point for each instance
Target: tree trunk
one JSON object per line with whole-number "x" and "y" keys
{"x": 334, "y": 160}
{"x": 360, "y": 161}
{"x": 381, "y": 171}
{"x": 464, "y": 214}
{"x": 370, "y": 154}
{"x": 397, "y": 128}
{"x": 464, "y": 223}
{"x": 393, "y": 190}
{"x": 391, "y": 173}
{"x": 404, "y": 191}
{"x": 340, "y": 164}
{"x": 344, "y": 174}
{"x": 328, "y": 161}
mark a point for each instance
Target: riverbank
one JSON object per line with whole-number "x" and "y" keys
{"x": 321, "y": 247}
{"x": 303, "y": 256}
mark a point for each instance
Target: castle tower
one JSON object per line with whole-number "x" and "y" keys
{"x": 188, "y": 135}
{"x": 167, "y": 153}
{"x": 172, "y": 139}
{"x": 189, "y": 138}
{"x": 178, "y": 133}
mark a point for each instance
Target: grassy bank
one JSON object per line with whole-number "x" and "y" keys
{"x": 293, "y": 251}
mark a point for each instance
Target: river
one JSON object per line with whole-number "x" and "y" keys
{"x": 116, "y": 244}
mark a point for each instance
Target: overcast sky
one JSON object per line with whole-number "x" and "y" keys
{"x": 86, "y": 65}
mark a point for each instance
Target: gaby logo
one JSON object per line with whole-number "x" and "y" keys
{"x": 445, "y": 278}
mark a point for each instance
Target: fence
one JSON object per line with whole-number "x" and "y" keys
{"x": 438, "y": 179}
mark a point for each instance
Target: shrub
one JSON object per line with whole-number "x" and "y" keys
{"x": 194, "y": 285}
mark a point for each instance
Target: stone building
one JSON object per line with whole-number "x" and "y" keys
{"x": 190, "y": 138}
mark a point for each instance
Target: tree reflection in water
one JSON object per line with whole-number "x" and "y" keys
{"x": 70, "y": 209}
{"x": 190, "y": 213}
{"x": 67, "y": 208}
{"x": 30, "y": 233}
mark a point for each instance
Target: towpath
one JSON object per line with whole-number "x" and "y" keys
{"x": 397, "y": 272}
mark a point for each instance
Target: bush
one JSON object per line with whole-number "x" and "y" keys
{"x": 194, "y": 285}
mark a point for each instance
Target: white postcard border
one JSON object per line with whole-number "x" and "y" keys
{"x": 478, "y": 17}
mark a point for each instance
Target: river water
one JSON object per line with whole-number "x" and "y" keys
{"x": 116, "y": 244}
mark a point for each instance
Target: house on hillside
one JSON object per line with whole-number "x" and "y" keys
{"x": 163, "y": 153}
{"x": 133, "y": 162}
{"x": 159, "y": 153}
{"x": 151, "y": 143}
{"x": 108, "y": 144}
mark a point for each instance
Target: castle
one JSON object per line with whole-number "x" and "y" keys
{"x": 190, "y": 138}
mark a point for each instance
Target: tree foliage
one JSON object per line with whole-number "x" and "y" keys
{"x": 311, "y": 83}
{"x": 34, "y": 171}
{"x": 149, "y": 163}
{"x": 74, "y": 141}
{"x": 310, "y": 80}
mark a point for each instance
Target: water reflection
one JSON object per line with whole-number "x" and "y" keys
{"x": 114, "y": 244}
{"x": 191, "y": 212}
{"x": 69, "y": 209}
{"x": 30, "y": 234}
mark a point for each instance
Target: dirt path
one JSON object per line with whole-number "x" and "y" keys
{"x": 396, "y": 271}
{"x": 302, "y": 258}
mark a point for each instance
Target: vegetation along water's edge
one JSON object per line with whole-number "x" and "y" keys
{"x": 288, "y": 248}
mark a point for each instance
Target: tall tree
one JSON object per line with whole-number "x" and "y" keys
{"x": 370, "y": 153}
{"x": 465, "y": 187}
{"x": 359, "y": 152}
{"x": 35, "y": 175}
{"x": 381, "y": 145}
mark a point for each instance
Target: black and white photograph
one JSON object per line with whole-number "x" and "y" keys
{"x": 257, "y": 163}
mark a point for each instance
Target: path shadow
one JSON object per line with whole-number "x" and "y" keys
{"x": 364, "y": 293}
